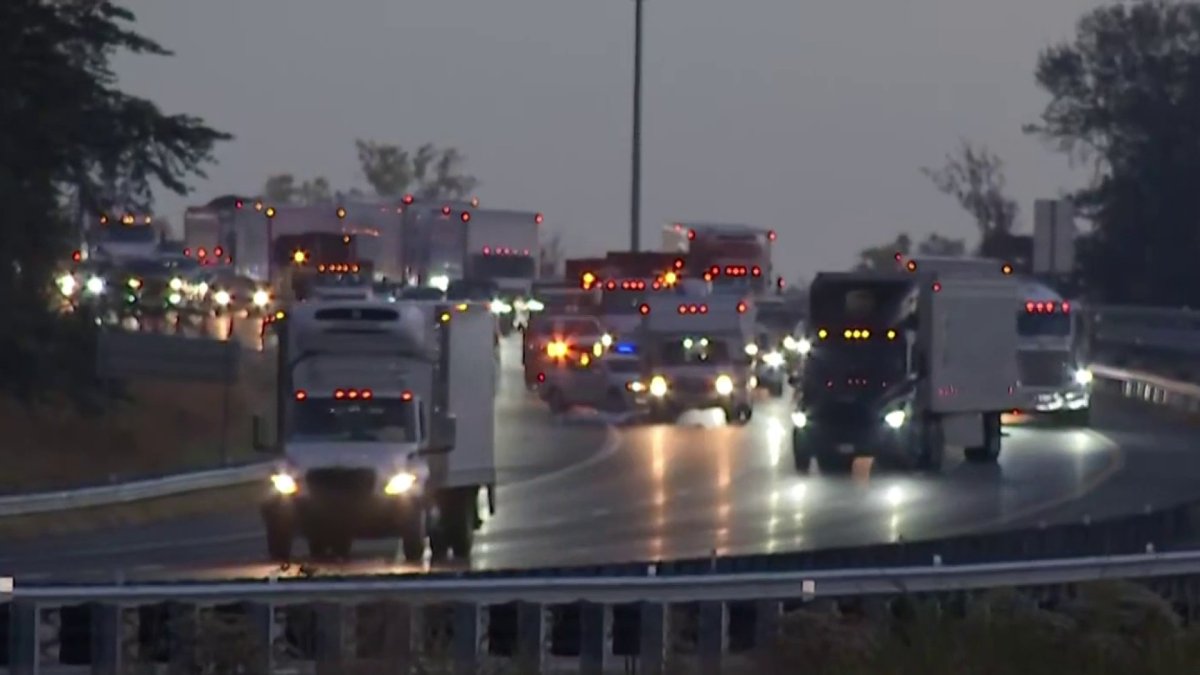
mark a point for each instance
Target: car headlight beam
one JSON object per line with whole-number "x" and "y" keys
{"x": 723, "y": 385}
{"x": 284, "y": 484}
{"x": 401, "y": 483}
{"x": 658, "y": 386}
{"x": 895, "y": 419}
{"x": 1084, "y": 376}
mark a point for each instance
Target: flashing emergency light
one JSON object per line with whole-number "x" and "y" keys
{"x": 299, "y": 257}
{"x": 557, "y": 349}
{"x": 625, "y": 348}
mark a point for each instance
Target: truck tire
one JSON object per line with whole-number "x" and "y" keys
{"x": 279, "y": 543}
{"x": 412, "y": 536}
{"x": 931, "y": 446}
{"x": 989, "y": 452}
{"x": 455, "y": 530}
{"x": 801, "y": 452}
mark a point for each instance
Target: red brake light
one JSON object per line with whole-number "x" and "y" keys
{"x": 339, "y": 394}
{"x": 466, "y": 217}
{"x": 771, "y": 235}
{"x": 898, "y": 256}
{"x": 538, "y": 218}
{"x": 445, "y": 210}
{"x": 367, "y": 394}
{"x": 937, "y": 286}
{"x": 704, "y": 309}
{"x": 77, "y": 256}
{"x": 644, "y": 309}
{"x": 683, "y": 309}
{"x": 1066, "y": 307}
{"x": 301, "y": 394}
{"x": 741, "y": 308}
{"x": 1029, "y": 307}
{"x": 541, "y": 377}
{"x": 756, "y": 271}
{"x": 201, "y": 253}
{"x": 406, "y": 396}
{"x": 487, "y": 250}
{"x": 218, "y": 251}
{"x": 691, "y": 234}
{"x": 187, "y": 252}
{"x": 679, "y": 263}
{"x": 352, "y": 394}
{"x": 611, "y": 285}
{"x": 780, "y": 283}
{"x": 406, "y": 199}
{"x": 237, "y": 204}
{"x": 911, "y": 265}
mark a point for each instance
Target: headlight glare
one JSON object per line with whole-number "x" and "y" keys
{"x": 400, "y": 483}
{"x": 658, "y": 386}
{"x": 799, "y": 419}
{"x": 261, "y": 298}
{"x": 895, "y": 419}
{"x": 1084, "y": 376}
{"x": 773, "y": 360}
{"x": 724, "y": 385}
{"x": 284, "y": 484}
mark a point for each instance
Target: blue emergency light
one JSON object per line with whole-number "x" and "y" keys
{"x": 626, "y": 348}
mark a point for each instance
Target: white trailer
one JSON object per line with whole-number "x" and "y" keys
{"x": 503, "y": 247}
{"x": 695, "y": 351}
{"x": 386, "y": 426}
{"x": 905, "y": 364}
{"x": 1053, "y": 378}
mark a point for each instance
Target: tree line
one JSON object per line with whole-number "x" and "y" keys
{"x": 1123, "y": 101}
{"x": 391, "y": 171}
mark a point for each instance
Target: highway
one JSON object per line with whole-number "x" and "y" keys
{"x": 580, "y": 490}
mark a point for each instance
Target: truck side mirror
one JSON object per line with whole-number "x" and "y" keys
{"x": 258, "y": 431}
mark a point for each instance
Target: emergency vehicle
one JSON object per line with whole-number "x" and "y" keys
{"x": 734, "y": 258}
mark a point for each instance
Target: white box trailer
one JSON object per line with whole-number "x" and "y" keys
{"x": 386, "y": 425}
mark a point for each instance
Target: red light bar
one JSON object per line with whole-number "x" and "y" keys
{"x": 693, "y": 309}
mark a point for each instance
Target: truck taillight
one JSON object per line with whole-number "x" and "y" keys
{"x": 741, "y": 308}
{"x": 301, "y": 394}
{"x": 756, "y": 271}
{"x": 538, "y": 218}
{"x": 218, "y": 251}
{"x": 644, "y": 309}
{"x": 445, "y": 210}
{"x": 771, "y": 235}
{"x": 691, "y": 234}
{"x": 187, "y": 252}
{"x": 406, "y": 200}
{"x": 466, "y": 217}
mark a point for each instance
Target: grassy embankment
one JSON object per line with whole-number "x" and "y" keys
{"x": 164, "y": 427}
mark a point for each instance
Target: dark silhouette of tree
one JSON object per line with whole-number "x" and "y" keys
{"x": 428, "y": 173}
{"x": 67, "y": 131}
{"x": 974, "y": 177}
{"x": 1125, "y": 99}
{"x": 316, "y": 191}
{"x": 937, "y": 245}
{"x": 280, "y": 189}
{"x": 883, "y": 258}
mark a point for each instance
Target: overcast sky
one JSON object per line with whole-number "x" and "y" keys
{"x": 809, "y": 116}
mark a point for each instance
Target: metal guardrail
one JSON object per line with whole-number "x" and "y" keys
{"x": 595, "y": 622}
{"x": 123, "y": 493}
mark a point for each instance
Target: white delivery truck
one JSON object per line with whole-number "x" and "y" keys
{"x": 1053, "y": 378}
{"x": 386, "y": 426}
{"x": 904, "y": 364}
{"x": 694, "y": 354}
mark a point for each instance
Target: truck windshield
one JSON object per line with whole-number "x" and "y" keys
{"x": 1049, "y": 325}
{"x": 695, "y": 352}
{"x": 128, "y": 235}
{"x": 856, "y": 302}
{"x": 379, "y": 420}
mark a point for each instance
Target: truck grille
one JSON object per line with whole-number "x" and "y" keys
{"x": 692, "y": 385}
{"x": 340, "y": 482}
{"x": 1043, "y": 368}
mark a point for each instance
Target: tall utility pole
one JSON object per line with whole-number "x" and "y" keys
{"x": 635, "y": 189}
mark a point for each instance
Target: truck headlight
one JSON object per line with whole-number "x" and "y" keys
{"x": 1083, "y": 376}
{"x": 176, "y": 284}
{"x": 635, "y": 386}
{"x": 724, "y": 385}
{"x": 534, "y": 306}
{"x": 67, "y": 284}
{"x": 606, "y": 340}
{"x": 658, "y": 386}
{"x": 773, "y": 360}
{"x": 284, "y": 484}
{"x": 799, "y": 419}
{"x": 751, "y": 349}
{"x": 95, "y": 285}
{"x": 400, "y": 483}
{"x": 895, "y": 419}
{"x": 175, "y": 298}
{"x": 222, "y": 297}
{"x": 261, "y": 298}
{"x": 803, "y": 346}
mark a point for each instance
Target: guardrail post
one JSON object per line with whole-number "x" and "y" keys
{"x": 182, "y": 636}
{"x": 108, "y": 642}
{"x": 399, "y": 621}
{"x": 652, "y": 638}
{"x": 331, "y": 637}
{"x": 261, "y": 617}
{"x": 766, "y": 623}
{"x": 531, "y": 636}
{"x": 712, "y": 635}
{"x": 595, "y": 624}
{"x": 23, "y": 638}
{"x": 467, "y": 636}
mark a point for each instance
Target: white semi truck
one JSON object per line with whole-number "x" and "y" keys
{"x": 903, "y": 365}
{"x": 385, "y": 419}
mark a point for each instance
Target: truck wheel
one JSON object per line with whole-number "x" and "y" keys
{"x": 557, "y": 402}
{"x": 931, "y": 446}
{"x": 455, "y": 530}
{"x": 279, "y": 543}
{"x": 412, "y": 538}
{"x": 989, "y": 452}
{"x": 801, "y": 453}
